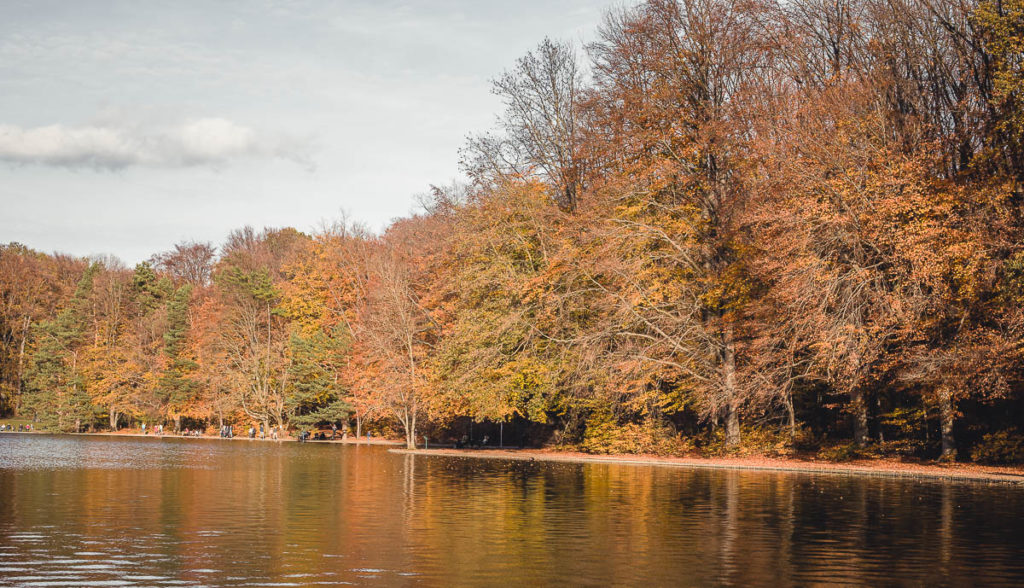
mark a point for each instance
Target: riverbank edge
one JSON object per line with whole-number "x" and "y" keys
{"x": 348, "y": 441}
{"x": 881, "y": 469}
{"x": 871, "y": 468}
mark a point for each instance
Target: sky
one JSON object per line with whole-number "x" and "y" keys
{"x": 127, "y": 126}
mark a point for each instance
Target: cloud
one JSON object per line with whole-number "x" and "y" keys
{"x": 209, "y": 142}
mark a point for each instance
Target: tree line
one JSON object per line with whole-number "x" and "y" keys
{"x": 722, "y": 225}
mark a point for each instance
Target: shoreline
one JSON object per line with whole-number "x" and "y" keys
{"x": 870, "y": 468}
{"x": 879, "y": 468}
{"x": 349, "y": 441}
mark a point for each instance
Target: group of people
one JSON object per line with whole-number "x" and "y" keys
{"x": 157, "y": 429}
{"x": 226, "y": 432}
{"x": 322, "y": 436}
{"x": 22, "y": 428}
{"x": 275, "y": 432}
{"x": 465, "y": 441}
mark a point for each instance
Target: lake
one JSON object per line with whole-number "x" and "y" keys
{"x": 108, "y": 511}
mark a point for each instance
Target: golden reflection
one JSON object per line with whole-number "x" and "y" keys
{"x": 227, "y": 512}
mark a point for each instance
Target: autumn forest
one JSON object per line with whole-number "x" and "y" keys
{"x": 723, "y": 226}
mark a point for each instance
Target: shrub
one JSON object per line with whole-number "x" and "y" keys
{"x": 605, "y": 436}
{"x": 846, "y": 452}
{"x": 1004, "y": 447}
{"x": 763, "y": 441}
{"x": 915, "y": 448}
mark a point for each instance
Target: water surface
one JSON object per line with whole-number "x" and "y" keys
{"x": 103, "y": 511}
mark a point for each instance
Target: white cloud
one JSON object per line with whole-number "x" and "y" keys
{"x": 203, "y": 142}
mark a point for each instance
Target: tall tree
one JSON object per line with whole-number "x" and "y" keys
{"x": 57, "y": 395}
{"x": 176, "y": 387}
{"x": 541, "y": 134}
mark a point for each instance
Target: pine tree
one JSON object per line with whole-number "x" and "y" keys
{"x": 176, "y": 385}
{"x": 314, "y": 394}
{"x": 56, "y": 393}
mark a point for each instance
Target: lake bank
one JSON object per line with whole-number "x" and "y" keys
{"x": 881, "y": 467}
{"x": 878, "y": 468}
{"x": 132, "y": 433}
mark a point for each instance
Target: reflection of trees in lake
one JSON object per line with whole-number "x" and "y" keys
{"x": 317, "y": 510}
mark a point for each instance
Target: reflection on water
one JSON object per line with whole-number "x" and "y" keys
{"x": 109, "y": 512}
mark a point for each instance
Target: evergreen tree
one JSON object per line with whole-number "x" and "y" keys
{"x": 56, "y": 393}
{"x": 314, "y": 394}
{"x": 176, "y": 385}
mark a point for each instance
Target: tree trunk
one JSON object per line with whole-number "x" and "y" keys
{"x": 860, "y": 416}
{"x": 21, "y": 366}
{"x": 878, "y": 411}
{"x": 732, "y": 417}
{"x": 947, "y": 412}
{"x": 114, "y": 417}
{"x": 410, "y": 431}
{"x": 177, "y": 423}
{"x": 359, "y": 427}
{"x": 790, "y": 413}
{"x": 732, "y": 426}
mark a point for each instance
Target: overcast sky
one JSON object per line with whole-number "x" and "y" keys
{"x": 128, "y": 126}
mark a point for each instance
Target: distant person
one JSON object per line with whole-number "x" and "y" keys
{"x": 143, "y": 428}
{"x": 334, "y": 431}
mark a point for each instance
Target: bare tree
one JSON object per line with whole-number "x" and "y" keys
{"x": 189, "y": 262}
{"x": 395, "y": 327}
{"x": 541, "y": 132}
